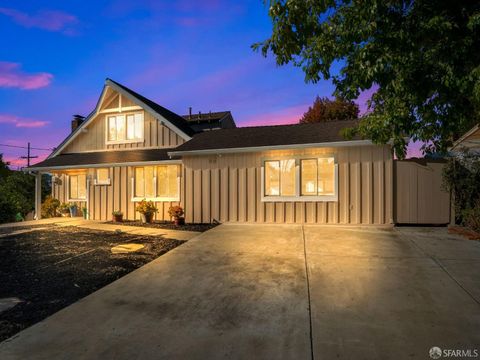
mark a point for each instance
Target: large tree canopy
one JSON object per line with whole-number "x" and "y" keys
{"x": 423, "y": 56}
{"x": 325, "y": 109}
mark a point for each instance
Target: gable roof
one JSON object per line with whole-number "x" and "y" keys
{"x": 89, "y": 159}
{"x": 173, "y": 118}
{"x": 268, "y": 136}
{"x": 179, "y": 124}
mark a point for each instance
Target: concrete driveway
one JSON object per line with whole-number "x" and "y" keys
{"x": 243, "y": 292}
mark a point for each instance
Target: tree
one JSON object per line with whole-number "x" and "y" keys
{"x": 421, "y": 55}
{"x": 324, "y": 109}
{"x": 17, "y": 192}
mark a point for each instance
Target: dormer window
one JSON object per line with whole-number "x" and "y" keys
{"x": 125, "y": 128}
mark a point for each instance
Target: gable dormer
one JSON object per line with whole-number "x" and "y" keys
{"x": 123, "y": 119}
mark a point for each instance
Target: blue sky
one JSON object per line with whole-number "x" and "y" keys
{"x": 56, "y": 55}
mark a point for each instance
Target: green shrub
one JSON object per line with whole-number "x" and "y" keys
{"x": 50, "y": 207}
{"x": 471, "y": 217}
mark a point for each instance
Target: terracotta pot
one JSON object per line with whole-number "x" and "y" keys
{"x": 117, "y": 218}
{"x": 147, "y": 218}
{"x": 179, "y": 221}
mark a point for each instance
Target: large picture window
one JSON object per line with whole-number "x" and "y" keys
{"x": 160, "y": 182}
{"x": 77, "y": 187}
{"x": 125, "y": 128}
{"x": 300, "y": 179}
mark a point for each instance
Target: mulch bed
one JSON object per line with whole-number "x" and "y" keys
{"x": 465, "y": 232}
{"x": 52, "y": 268}
{"x": 167, "y": 225}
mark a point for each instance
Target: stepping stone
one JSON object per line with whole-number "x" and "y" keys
{"x": 126, "y": 248}
{"x": 8, "y": 303}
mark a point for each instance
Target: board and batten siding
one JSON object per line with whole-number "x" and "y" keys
{"x": 104, "y": 199}
{"x": 227, "y": 188}
{"x": 94, "y": 138}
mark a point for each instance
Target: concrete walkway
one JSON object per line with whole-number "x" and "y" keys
{"x": 243, "y": 292}
{"x": 101, "y": 226}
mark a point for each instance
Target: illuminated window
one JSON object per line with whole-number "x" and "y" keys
{"x": 77, "y": 189}
{"x": 125, "y": 128}
{"x": 318, "y": 176}
{"x": 102, "y": 176}
{"x": 312, "y": 179}
{"x": 157, "y": 182}
{"x": 280, "y": 178}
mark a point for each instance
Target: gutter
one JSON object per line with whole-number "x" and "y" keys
{"x": 89, "y": 166}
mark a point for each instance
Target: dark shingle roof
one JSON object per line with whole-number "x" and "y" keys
{"x": 104, "y": 157}
{"x": 175, "y": 119}
{"x": 267, "y": 136}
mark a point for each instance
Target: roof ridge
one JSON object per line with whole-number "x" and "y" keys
{"x": 296, "y": 124}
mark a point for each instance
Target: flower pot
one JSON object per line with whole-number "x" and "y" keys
{"x": 73, "y": 211}
{"x": 85, "y": 213}
{"x": 117, "y": 218}
{"x": 146, "y": 218}
{"x": 179, "y": 221}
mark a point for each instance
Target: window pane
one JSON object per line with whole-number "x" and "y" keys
{"x": 120, "y": 127}
{"x": 139, "y": 182}
{"x": 308, "y": 173}
{"x": 112, "y": 128}
{"x": 167, "y": 182}
{"x": 272, "y": 178}
{"x": 73, "y": 187}
{"x": 130, "y": 127}
{"x": 103, "y": 175}
{"x": 139, "y": 126}
{"x": 287, "y": 183}
{"x": 149, "y": 184}
{"x": 82, "y": 186}
{"x": 326, "y": 176}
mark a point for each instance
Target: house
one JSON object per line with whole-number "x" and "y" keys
{"x": 130, "y": 148}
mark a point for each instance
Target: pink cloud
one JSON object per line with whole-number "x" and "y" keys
{"x": 16, "y": 162}
{"x": 289, "y": 115}
{"x": 50, "y": 20}
{"x": 12, "y": 76}
{"x": 20, "y": 122}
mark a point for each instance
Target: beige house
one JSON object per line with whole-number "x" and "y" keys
{"x": 130, "y": 148}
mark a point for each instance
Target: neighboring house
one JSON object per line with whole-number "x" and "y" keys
{"x": 130, "y": 148}
{"x": 470, "y": 140}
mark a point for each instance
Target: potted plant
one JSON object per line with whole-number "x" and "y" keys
{"x": 84, "y": 212}
{"x": 176, "y": 212}
{"x": 64, "y": 210}
{"x": 146, "y": 210}
{"x": 73, "y": 209}
{"x": 117, "y": 216}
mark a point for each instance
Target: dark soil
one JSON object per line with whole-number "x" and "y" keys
{"x": 167, "y": 225}
{"x": 52, "y": 268}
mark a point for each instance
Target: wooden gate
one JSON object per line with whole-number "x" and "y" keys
{"x": 419, "y": 197}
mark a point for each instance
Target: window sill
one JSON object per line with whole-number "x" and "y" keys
{"x": 325, "y": 198}
{"x": 80, "y": 200}
{"x": 157, "y": 199}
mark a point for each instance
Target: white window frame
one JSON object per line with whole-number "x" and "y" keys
{"x": 98, "y": 182}
{"x": 298, "y": 197}
{"x": 68, "y": 188}
{"x": 157, "y": 198}
{"x": 126, "y": 141}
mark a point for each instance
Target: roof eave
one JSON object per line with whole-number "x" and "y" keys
{"x": 102, "y": 165}
{"x": 272, "y": 147}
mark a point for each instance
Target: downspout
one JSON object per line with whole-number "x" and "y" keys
{"x": 87, "y": 205}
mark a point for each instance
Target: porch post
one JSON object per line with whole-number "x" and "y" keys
{"x": 38, "y": 196}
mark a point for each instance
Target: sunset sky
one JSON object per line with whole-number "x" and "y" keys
{"x": 56, "y": 55}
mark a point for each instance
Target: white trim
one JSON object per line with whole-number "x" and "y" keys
{"x": 87, "y": 166}
{"x": 125, "y": 141}
{"x": 465, "y": 136}
{"x": 298, "y": 197}
{"x": 273, "y": 147}
{"x": 126, "y": 149}
{"x": 94, "y": 114}
{"x": 118, "y": 110}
